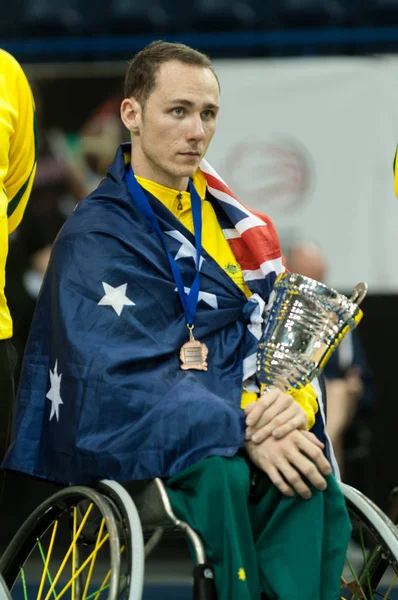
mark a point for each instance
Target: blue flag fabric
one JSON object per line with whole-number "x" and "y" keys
{"x": 101, "y": 392}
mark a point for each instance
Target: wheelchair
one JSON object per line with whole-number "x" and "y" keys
{"x": 91, "y": 543}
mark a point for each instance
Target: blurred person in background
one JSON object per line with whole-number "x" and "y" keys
{"x": 102, "y": 132}
{"x": 59, "y": 184}
{"x": 348, "y": 379}
{"x": 18, "y": 149}
{"x": 141, "y": 358}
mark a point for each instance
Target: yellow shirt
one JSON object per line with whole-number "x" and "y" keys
{"x": 216, "y": 245}
{"x": 17, "y": 162}
{"x": 395, "y": 171}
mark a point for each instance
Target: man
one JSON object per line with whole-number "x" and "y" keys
{"x": 143, "y": 347}
{"x": 348, "y": 380}
{"x": 17, "y": 171}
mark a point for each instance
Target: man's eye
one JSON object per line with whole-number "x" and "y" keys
{"x": 207, "y": 114}
{"x": 178, "y": 111}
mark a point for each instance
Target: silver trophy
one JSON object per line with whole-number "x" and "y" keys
{"x": 307, "y": 322}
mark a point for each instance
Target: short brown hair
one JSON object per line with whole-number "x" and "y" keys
{"x": 141, "y": 75}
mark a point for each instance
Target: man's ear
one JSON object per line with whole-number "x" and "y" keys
{"x": 130, "y": 113}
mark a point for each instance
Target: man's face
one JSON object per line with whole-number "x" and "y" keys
{"x": 177, "y": 122}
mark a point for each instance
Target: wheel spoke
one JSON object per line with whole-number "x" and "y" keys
{"x": 25, "y": 591}
{"x": 356, "y": 581}
{"x": 103, "y": 584}
{"x": 83, "y": 566}
{"x": 387, "y": 595}
{"x": 365, "y": 562}
{"x": 46, "y": 561}
{"x": 74, "y": 554}
{"x": 69, "y": 551}
{"x": 98, "y": 592}
{"x": 90, "y": 571}
{"x": 78, "y": 536}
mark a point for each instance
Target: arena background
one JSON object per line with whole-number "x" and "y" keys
{"x": 318, "y": 161}
{"x": 307, "y": 133}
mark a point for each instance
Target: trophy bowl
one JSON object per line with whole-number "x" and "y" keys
{"x": 307, "y": 322}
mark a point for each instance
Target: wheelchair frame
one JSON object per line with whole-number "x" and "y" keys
{"x": 144, "y": 507}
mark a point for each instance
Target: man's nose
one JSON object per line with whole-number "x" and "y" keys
{"x": 196, "y": 130}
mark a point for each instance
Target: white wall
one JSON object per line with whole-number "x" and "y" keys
{"x": 311, "y": 143}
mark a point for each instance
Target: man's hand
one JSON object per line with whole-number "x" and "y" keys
{"x": 286, "y": 461}
{"x": 276, "y": 414}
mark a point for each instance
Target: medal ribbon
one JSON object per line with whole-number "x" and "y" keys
{"x": 189, "y": 301}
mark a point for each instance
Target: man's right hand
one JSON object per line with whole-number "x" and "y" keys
{"x": 287, "y": 460}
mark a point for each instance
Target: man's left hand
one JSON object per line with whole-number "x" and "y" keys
{"x": 276, "y": 414}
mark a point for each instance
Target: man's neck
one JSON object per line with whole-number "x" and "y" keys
{"x": 158, "y": 176}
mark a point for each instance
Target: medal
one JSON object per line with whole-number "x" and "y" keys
{"x": 193, "y": 354}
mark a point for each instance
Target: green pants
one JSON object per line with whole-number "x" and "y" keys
{"x": 259, "y": 541}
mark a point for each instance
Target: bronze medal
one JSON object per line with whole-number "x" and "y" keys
{"x": 193, "y": 354}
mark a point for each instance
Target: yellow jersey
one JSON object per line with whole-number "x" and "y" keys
{"x": 18, "y": 151}
{"x": 217, "y": 246}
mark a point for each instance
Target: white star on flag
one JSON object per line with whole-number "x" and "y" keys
{"x": 187, "y": 250}
{"x": 115, "y": 297}
{"x": 54, "y": 393}
{"x": 210, "y": 299}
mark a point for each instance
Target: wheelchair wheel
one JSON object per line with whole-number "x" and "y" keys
{"x": 371, "y": 570}
{"x": 74, "y": 545}
{"x": 4, "y": 592}
{"x": 127, "y": 514}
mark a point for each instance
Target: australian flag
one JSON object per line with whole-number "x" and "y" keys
{"x": 101, "y": 393}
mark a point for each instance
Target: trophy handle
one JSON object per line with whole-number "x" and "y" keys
{"x": 359, "y": 292}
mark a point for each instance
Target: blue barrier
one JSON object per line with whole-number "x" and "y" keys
{"x": 112, "y": 45}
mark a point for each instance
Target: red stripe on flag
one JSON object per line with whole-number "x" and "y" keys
{"x": 219, "y": 185}
{"x": 258, "y": 244}
{"x": 262, "y": 243}
{"x": 243, "y": 255}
